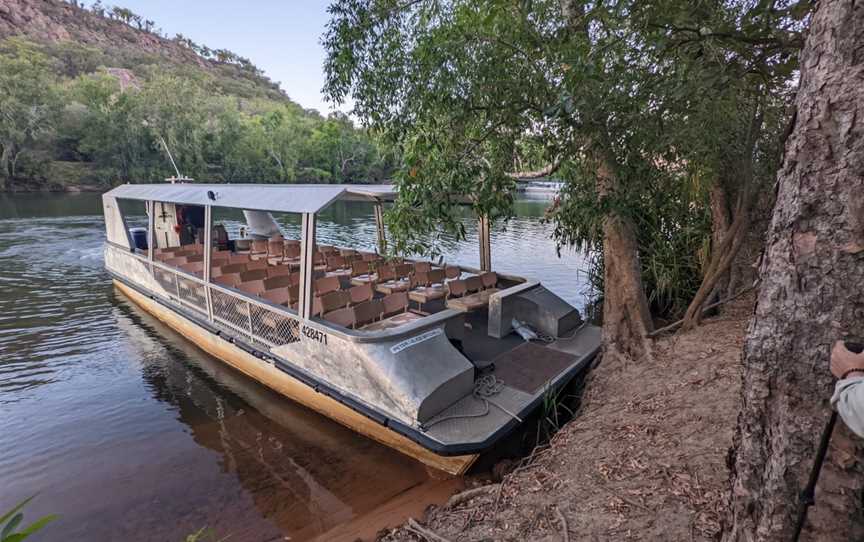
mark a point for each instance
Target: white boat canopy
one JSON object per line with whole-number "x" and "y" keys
{"x": 280, "y": 198}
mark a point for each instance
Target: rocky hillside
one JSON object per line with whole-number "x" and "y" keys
{"x": 124, "y": 38}
{"x": 55, "y": 21}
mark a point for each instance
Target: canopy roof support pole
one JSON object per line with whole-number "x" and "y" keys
{"x": 485, "y": 243}
{"x": 208, "y": 256}
{"x": 151, "y": 228}
{"x": 379, "y": 224}
{"x": 307, "y": 264}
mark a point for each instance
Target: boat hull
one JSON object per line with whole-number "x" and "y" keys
{"x": 292, "y": 388}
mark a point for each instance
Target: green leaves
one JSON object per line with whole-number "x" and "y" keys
{"x": 29, "y": 102}
{"x": 662, "y": 93}
{"x": 10, "y": 521}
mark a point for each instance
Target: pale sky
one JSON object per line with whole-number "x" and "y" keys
{"x": 280, "y": 37}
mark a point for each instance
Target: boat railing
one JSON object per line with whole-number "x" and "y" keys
{"x": 254, "y": 321}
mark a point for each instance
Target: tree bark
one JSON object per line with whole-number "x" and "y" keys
{"x": 626, "y": 316}
{"x": 721, "y": 221}
{"x": 812, "y": 294}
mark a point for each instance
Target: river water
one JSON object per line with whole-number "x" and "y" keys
{"x": 129, "y": 432}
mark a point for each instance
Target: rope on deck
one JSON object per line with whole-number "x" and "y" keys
{"x": 485, "y": 388}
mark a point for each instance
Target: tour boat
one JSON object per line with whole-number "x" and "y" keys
{"x": 437, "y": 360}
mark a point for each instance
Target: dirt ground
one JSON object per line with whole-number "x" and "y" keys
{"x": 644, "y": 460}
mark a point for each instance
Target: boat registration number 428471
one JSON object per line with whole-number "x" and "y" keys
{"x": 314, "y": 334}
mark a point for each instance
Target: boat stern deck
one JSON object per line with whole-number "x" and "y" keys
{"x": 523, "y": 375}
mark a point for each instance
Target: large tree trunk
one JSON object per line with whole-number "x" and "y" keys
{"x": 812, "y": 294}
{"x": 626, "y": 316}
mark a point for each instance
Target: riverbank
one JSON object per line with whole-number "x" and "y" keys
{"x": 33, "y": 186}
{"x": 645, "y": 459}
{"x": 51, "y": 189}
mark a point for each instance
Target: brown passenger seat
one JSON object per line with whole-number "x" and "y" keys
{"x": 452, "y": 272}
{"x": 466, "y": 295}
{"x": 227, "y": 269}
{"x": 368, "y": 312}
{"x": 275, "y": 251}
{"x": 259, "y": 248}
{"x": 279, "y": 281}
{"x": 228, "y": 279}
{"x": 329, "y": 302}
{"x": 278, "y": 271}
{"x": 341, "y": 317}
{"x": 395, "y": 313}
{"x": 254, "y": 287}
{"x": 221, "y": 236}
{"x": 319, "y": 261}
{"x": 361, "y": 293}
{"x": 286, "y": 296}
{"x": 361, "y": 273}
{"x": 490, "y": 284}
{"x": 337, "y": 265}
{"x": 393, "y": 279}
{"x": 427, "y": 286}
{"x": 292, "y": 256}
{"x": 255, "y": 274}
{"x": 220, "y": 258}
{"x": 195, "y": 268}
{"x": 256, "y": 264}
{"x": 326, "y": 285}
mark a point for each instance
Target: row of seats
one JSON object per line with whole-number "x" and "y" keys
{"x": 471, "y": 293}
{"x": 375, "y": 314}
{"x": 362, "y": 275}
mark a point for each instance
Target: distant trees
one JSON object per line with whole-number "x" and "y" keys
{"x": 29, "y": 104}
{"x": 67, "y": 112}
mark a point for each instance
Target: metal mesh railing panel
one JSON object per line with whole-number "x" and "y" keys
{"x": 166, "y": 279}
{"x": 230, "y": 310}
{"x": 192, "y": 293}
{"x": 273, "y": 327}
{"x": 251, "y": 321}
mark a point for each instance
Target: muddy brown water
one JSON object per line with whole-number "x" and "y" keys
{"x": 129, "y": 432}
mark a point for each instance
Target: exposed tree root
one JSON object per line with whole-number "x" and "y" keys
{"x": 565, "y": 529}
{"x": 424, "y": 532}
{"x": 464, "y": 496}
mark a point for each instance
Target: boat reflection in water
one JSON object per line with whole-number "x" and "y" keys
{"x": 305, "y": 474}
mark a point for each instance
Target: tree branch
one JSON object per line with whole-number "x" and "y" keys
{"x": 542, "y": 172}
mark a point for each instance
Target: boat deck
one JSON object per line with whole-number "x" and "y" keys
{"x": 526, "y": 372}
